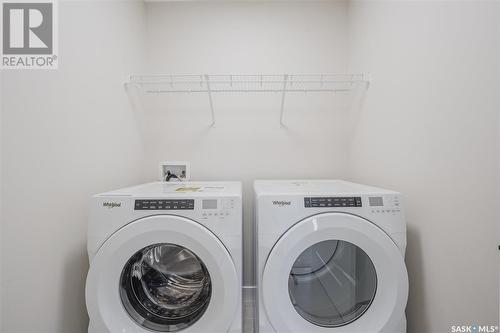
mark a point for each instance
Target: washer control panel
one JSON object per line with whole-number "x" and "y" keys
{"x": 213, "y": 209}
{"x": 169, "y": 204}
{"x": 320, "y": 202}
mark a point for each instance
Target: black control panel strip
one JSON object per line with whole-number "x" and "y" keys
{"x": 315, "y": 202}
{"x": 154, "y": 204}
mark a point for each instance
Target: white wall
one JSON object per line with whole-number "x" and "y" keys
{"x": 429, "y": 129}
{"x": 247, "y": 142}
{"x": 66, "y": 134}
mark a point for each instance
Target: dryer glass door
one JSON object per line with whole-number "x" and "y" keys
{"x": 165, "y": 287}
{"x": 332, "y": 283}
{"x": 334, "y": 271}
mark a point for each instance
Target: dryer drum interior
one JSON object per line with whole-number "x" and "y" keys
{"x": 165, "y": 287}
{"x": 332, "y": 283}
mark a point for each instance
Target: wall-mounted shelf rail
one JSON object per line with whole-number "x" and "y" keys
{"x": 211, "y": 84}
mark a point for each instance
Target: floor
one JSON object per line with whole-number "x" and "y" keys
{"x": 248, "y": 309}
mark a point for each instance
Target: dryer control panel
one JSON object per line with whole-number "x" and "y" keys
{"x": 320, "y": 202}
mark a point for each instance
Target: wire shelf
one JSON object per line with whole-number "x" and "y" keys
{"x": 247, "y": 83}
{"x": 283, "y": 83}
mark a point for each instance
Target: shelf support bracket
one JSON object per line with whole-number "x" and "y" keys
{"x": 282, "y": 113}
{"x": 209, "y": 91}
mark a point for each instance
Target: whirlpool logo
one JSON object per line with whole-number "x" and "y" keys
{"x": 281, "y": 203}
{"x": 110, "y": 204}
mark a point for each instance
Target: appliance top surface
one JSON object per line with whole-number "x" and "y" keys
{"x": 188, "y": 189}
{"x": 306, "y": 187}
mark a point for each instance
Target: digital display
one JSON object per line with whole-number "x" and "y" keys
{"x": 209, "y": 204}
{"x": 376, "y": 201}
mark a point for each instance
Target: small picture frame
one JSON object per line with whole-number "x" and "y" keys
{"x": 175, "y": 171}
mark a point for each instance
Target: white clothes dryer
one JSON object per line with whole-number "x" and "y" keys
{"x": 330, "y": 258}
{"x": 166, "y": 257}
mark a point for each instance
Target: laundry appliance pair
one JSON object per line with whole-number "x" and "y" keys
{"x": 167, "y": 257}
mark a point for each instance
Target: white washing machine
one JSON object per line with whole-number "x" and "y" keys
{"x": 330, "y": 258}
{"x": 166, "y": 258}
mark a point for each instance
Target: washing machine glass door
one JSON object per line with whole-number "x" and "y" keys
{"x": 335, "y": 270}
{"x": 165, "y": 287}
{"x": 162, "y": 274}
